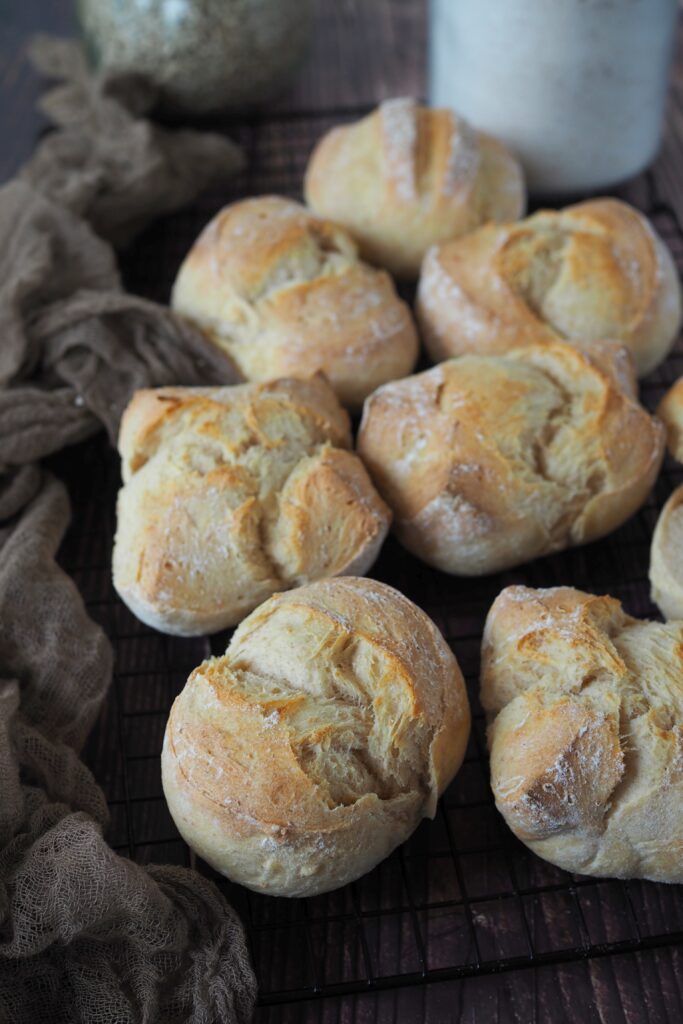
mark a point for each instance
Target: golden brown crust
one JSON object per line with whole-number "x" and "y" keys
{"x": 231, "y": 494}
{"x": 591, "y": 271}
{"x": 586, "y": 731}
{"x": 304, "y": 755}
{"x": 406, "y": 177}
{"x": 283, "y": 292}
{"x": 670, "y": 411}
{"x": 490, "y": 461}
{"x": 666, "y": 558}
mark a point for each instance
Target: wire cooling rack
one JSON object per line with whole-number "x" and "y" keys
{"x": 462, "y": 897}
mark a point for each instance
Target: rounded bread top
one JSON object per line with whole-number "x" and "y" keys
{"x": 593, "y": 271}
{"x": 666, "y": 557}
{"x": 233, "y": 493}
{"x": 670, "y": 412}
{"x": 408, "y": 176}
{"x": 489, "y": 461}
{"x": 330, "y": 726}
{"x": 283, "y": 292}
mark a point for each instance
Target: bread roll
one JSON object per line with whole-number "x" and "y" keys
{"x": 666, "y": 558}
{"x": 490, "y": 461}
{"x": 586, "y": 733}
{"x": 283, "y": 293}
{"x": 670, "y": 411}
{"x": 335, "y": 719}
{"x": 406, "y": 177}
{"x": 231, "y": 494}
{"x": 591, "y": 271}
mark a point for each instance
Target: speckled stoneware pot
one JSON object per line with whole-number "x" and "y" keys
{"x": 207, "y": 55}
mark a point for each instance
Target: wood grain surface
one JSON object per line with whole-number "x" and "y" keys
{"x": 363, "y": 50}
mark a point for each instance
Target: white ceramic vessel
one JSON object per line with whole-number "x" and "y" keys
{"x": 575, "y": 87}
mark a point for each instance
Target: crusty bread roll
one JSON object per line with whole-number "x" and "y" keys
{"x": 586, "y": 733}
{"x": 591, "y": 271}
{"x": 283, "y": 293}
{"x": 231, "y": 494}
{"x": 666, "y": 558}
{"x": 406, "y": 177}
{"x": 490, "y": 461}
{"x": 298, "y": 760}
{"x": 670, "y": 411}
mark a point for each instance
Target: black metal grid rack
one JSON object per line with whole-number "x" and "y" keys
{"x": 462, "y": 896}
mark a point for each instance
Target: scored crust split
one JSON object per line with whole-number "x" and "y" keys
{"x": 406, "y": 177}
{"x": 585, "y": 706}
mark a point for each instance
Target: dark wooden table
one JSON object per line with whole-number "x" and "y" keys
{"x": 365, "y": 50}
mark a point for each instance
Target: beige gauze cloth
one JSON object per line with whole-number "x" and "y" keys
{"x": 85, "y": 935}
